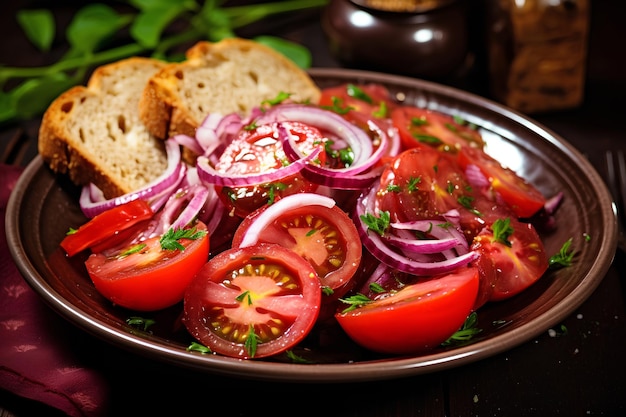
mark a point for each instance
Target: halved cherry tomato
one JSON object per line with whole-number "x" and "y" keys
{"x": 260, "y": 150}
{"x": 263, "y": 292}
{"x": 516, "y": 267}
{"x": 422, "y": 127}
{"x": 523, "y": 198}
{"x": 372, "y": 100}
{"x": 106, "y": 225}
{"x": 145, "y": 277}
{"x": 418, "y": 317}
{"x": 326, "y": 237}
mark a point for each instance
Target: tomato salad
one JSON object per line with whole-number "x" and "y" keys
{"x": 388, "y": 219}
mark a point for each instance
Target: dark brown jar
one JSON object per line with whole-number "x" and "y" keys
{"x": 421, "y": 38}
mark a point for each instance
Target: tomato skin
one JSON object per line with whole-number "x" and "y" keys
{"x": 522, "y": 197}
{"x": 426, "y": 128}
{"x": 152, "y": 279}
{"x": 416, "y": 184}
{"x": 510, "y": 270}
{"x": 370, "y": 105}
{"x": 106, "y": 225}
{"x": 311, "y": 231}
{"x": 416, "y": 318}
{"x": 265, "y": 286}
{"x": 260, "y": 150}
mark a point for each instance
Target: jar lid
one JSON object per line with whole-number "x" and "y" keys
{"x": 404, "y": 6}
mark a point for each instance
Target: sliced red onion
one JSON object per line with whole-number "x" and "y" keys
{"x": 209, "y": 175}
{"x": 216, "y": 132}
{"x": 413, "y": 245}
{"x": 274, "y": 211}
{"x": 381, "y": 251}
{"x": 325, "y": 120}
{"x": 92, "y": 202}
{"x": 353, "y": 177}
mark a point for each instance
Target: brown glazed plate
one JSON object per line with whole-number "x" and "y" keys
{"x": 44, "y": 206}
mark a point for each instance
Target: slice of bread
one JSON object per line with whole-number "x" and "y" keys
{"x": 95, "y": 135}
{"x": 233, "y": 75}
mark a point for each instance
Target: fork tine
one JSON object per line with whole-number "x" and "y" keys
{"x": 621, "y": 184}
{"x": 616, "y": 176}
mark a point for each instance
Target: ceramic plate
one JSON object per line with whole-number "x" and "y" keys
{"x": 44, "y": 206}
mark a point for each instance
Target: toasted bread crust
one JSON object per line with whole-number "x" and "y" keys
{"x": 232, "y": 75}
{"x": 94, "y": 133}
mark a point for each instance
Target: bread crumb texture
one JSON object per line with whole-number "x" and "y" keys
{"x": 101, "y": 127}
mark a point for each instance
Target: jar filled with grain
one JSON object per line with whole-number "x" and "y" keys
{"x": 537, "y": 52}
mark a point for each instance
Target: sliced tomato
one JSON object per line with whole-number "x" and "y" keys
{"x": 516, "y": 267}
{"x": 326, "y": 237}
{"x": 372, "y": 100}
{"x": 260, "y": 150}
{"x": 263, "y": 291}
{"x": 146, "y": 277}
{"x": 422, "y": 183}
{"x": 422, "y": 127}
{"x": 523, "y": 198}
{"x": 415, "y": 318}
{"x": 106, "y": 225}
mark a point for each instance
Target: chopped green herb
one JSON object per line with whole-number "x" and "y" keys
{"x": 466, "y": 332}
{"x": 502, "y": 231}
{"x": 418, "y": 121}
{"x": 355, "y": 301}
{"x": 244, "y": 296}
{"x": 338, "y": 106}
{"x": 377, "y": 288}
{"x": 140, "y": 322}
{"x": 133, "y": 249}
{"x": 282, "y": 96}
{"x": 358, "y": 93}
{"x": 272, "y": 188}
{"x": 326, "y": 290}
{"x": 252, "y": 340}
{"x": 413, "y": 183}
{"x": 377, "y": 224}
{"x": 295, "y": 358}
{"x": 393, "y": 188}
{"x": 197, "y": 347}
{"x": 428, "y": 139}
{"x": 170, "y": 240}
{"x": 564, "y": 257}
{"x": 382, "y": 110}
{"x": 71, "y": 231}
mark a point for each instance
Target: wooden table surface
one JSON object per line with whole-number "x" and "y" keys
{"x": 582, "y": 373}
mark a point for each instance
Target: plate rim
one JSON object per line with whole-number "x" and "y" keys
{"x": 387, "y": 368}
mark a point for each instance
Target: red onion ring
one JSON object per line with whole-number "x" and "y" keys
{"x": 276, "y": 209}
{"x": 209, "y": 175}
{"x": 92, "y": 201}
{"x": 381, "y": 251}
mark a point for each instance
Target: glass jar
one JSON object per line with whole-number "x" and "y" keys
{"x": 537, "y": 52}
{"x": 421, "y": 38}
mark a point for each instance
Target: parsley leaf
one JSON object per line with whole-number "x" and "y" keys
{"x": 502, "y": 230}
{"x": 466, "y": 332}
{"x": 252, "y": 340}
{"x": 563, "y": 257}
{"x": 377, "y": 224}
{"x": 355, "y": 301}
{"x": 170, "y": 239}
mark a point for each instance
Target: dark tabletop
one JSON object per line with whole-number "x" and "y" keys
{"x": 580, "y": 373}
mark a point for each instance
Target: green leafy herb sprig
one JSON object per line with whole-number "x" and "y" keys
{"x": 155, "y": 28}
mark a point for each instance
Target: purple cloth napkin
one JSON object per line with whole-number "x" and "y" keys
{"x": 38, "y": 360}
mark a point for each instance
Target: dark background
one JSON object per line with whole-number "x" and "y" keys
{"x": 582, "y": 373}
